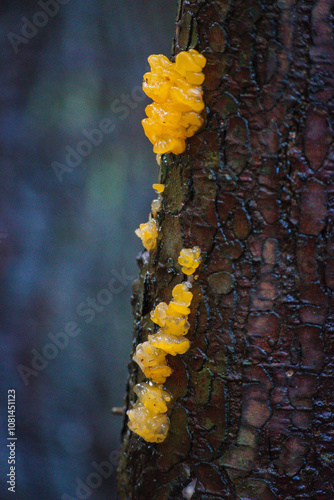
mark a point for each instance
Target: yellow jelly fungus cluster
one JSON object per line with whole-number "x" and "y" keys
{"x": 148, "y": 416}
{"x": 148, "y": 232}
{"x": 190, "y": 259}
{"x": 176, "y": 91}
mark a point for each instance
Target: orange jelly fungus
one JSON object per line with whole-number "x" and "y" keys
{"x": 148, "y": 416}
{"x": 176, "y": 91}
{"x": 148, "y": 232}
{"x": 159, "y": 188}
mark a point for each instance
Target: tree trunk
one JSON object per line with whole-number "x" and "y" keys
{"x": 252, "y": 414}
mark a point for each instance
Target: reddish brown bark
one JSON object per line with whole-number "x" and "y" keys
{"x": 253, "y": 414}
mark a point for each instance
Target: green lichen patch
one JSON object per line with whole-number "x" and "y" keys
{"x": 221, "y": 282}
{"x": 174, "y": 193}
{"x": 226, "y": 105}
{"x": 247, "y": 437}
{"x": 170, "y": 247}
{"x": 239, "y": 460}
{"x": 236, "y": 150}
{"x": 200, "y": 383}
{"x": 217, "y": 362}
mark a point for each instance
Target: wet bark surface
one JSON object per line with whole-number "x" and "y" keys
{"x": 252, "y": 414}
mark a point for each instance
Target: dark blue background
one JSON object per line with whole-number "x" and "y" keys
{"x": 63, "y": 239}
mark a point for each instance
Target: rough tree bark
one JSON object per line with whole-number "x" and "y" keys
{"x": 253, "y": 414}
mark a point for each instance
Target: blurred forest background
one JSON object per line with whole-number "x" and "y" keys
{"x": 64, "y": 237}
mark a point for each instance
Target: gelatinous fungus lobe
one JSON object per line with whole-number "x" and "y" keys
{"x": 148, "y": 232}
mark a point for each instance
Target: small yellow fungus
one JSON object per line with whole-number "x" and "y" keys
{"x": 176, "y": 91}
{"x": 153, "y": 397}
{"x": 153, "y": 428}
{"x": 148, "y": 232}
{"x": 172, "y": 344}
{"x": 190, "y": 259}
{"x": 159, "y": 188}
{"x": 156, "y": 206}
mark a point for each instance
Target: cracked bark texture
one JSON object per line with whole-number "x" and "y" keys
{"x": 252, "y": 416}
